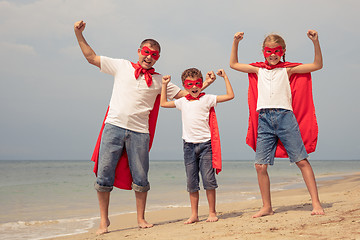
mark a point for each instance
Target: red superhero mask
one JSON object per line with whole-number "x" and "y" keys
{"x": 190, "y": 83}
{"x": 277, "y": 51}
{"x": 147, "y": 51}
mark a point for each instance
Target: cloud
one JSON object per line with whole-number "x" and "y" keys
{"x": 47, "y": 85}
{"x": 10, "y": 48}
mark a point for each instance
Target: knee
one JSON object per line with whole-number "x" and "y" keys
{"x": 261, "y": 168}
{"x": 101, "y": 188}
{"x": 303, "y": 163}
{"x": 138, "y": 188}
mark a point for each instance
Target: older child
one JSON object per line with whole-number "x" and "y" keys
{"x": 195, "y": 108}
{"x": 272, "y": 94}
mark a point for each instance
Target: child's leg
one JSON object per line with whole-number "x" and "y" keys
{"x": 192, "y": 176}
{"x": 211, "y": 197}
{"x": 309, "y": 178}
{"x": 209, "y": 179}
{"x": 265, "y": 151}
{"x": 264, "y": 185}
{"x": 194, "y": 201}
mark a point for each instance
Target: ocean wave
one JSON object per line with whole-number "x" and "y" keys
{"x": 36, "y": 230}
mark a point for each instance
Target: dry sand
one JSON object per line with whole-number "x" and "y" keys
{"x": 292, "y": 220}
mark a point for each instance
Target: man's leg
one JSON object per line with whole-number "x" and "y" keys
{"x": 104, "y": 200}
{"x": 137, "y": 148}
{"x": 140, "y": 208}
{"x": 110, "y": 152}
{"x": 264, "y": 185}
{"x": 309, "y": 178}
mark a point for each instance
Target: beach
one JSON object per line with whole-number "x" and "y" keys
{"x": 292, "y": 220}
{"x": 56, "y": 200}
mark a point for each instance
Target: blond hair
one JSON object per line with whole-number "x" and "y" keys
{"x": 276, "y": 39}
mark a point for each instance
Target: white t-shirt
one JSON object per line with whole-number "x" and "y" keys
{"x": 131, "y": 99}
{"x": 195, "y": 118}
{"x": 273, "y": 89}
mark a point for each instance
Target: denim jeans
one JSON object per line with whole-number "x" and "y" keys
{"x": 113, "y": 142}
{"x": 275, "y": 124}
{"x": 198, "y": 158}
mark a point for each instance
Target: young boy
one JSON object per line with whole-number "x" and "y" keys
{"x": 195, "y": 108}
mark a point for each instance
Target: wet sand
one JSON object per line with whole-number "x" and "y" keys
{"x": 340, "y": 199}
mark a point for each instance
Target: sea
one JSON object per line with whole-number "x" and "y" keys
{"x": 45, "y": 199}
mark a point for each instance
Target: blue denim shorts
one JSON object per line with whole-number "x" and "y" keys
{"x": 198, "y": 158}
{"x": 113, "y": 142}
{"x": 278, "y": 124}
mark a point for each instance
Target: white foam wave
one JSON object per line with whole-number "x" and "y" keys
{"x": 36, "y": 230}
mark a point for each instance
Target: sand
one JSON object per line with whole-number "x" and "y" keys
{"x": 292, "y": 220}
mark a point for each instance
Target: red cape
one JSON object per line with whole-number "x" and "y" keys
{"x": 215, "y": 141}
{"x": 123, "y": 179}
{"x": 303, "y": 108}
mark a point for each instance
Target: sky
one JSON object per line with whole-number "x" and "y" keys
{"x": 52, "y": 101}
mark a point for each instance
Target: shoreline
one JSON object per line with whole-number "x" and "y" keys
{"x": 292, "y": 219}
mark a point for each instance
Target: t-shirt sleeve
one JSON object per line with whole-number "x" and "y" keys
{"x": 212, "y": 100}
{"x": 172, "y": 90}
{"x": 178, "y": 103}
{"x": 110, "y": 65}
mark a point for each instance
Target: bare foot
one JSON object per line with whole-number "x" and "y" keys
{"x": 103, "y": 228}
{"x": 263, "y": 212}
{"x": 212, "y": 218}
{"x": 192, "y": 220}
{"x": 318, "y": 211}
{"x": 145, "y": 224}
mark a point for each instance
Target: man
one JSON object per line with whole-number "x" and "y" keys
{"x": 136, "y": 88}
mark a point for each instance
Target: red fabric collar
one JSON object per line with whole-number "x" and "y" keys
{"x": 270, "y": 67}
{"x": 147, "y": 72}
{"x": 189, "y": 97}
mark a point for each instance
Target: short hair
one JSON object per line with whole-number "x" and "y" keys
{"x": 152, "y": 42}
{"x": 191, "y": 72}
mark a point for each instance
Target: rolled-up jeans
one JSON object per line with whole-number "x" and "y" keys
{"x": 113, "y": 142}
{"x": 198, "y": 158}
{"x": 278, "y": 124}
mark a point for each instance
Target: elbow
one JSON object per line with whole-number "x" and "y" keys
{"x": 318, "y": 64}
{"x": 318, "y": 67}
{"x": 230, "y": 96}
{"x": 91, "y": 60}
{"x": 321, "y": 66}
{"x": 232, "y": 65}
{"x": 163, "y": 103}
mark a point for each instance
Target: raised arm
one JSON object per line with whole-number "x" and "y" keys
{"x": 163, "y": 99}
{"x": 318, "y": 61}
{"x": 88, "y": 52}
{"x": 234, "y": 63}
{"x": 180, "y": 94}
{"x": 229, "y": 91}
{"x": 209, "y": 79}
